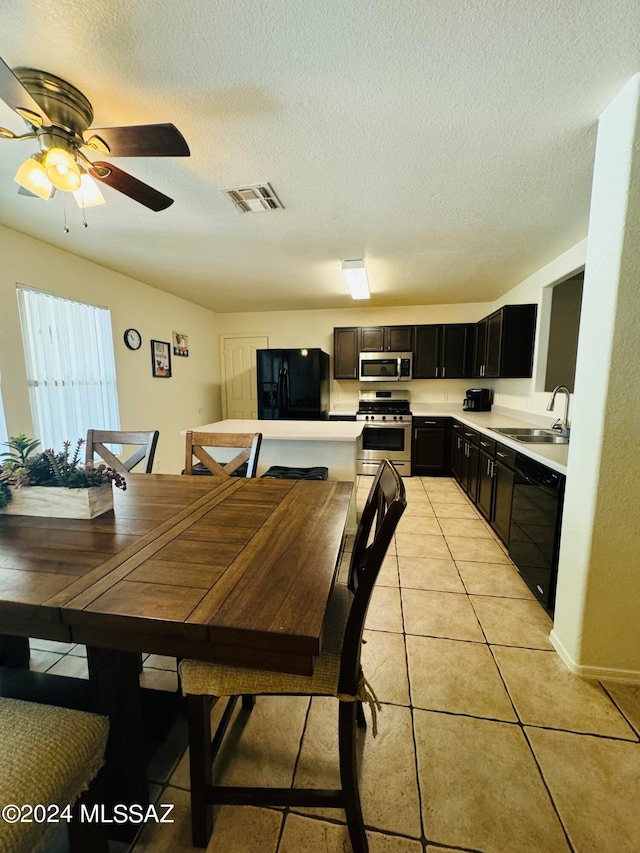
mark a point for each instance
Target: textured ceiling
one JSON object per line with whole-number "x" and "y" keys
{"x": 449, "y": 143}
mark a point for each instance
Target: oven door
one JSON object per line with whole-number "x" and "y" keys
{"x": 388, "y": 441}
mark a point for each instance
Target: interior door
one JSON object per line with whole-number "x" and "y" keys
{"x": 240, "y": 381}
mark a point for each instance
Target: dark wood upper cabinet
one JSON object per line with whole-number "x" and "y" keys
{"x": 346, "y": 347}
{"x": 372, "y": 339}
{"x": 386, "y": 339}
{"x": 504, "y": 342}
{"x": 443, "y": 351}
{"x": 457, "y": 342}
{"x": 427, "y": 352}
{"x": 398, "y": 338}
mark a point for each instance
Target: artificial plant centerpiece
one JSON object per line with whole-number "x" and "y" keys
{"x": 50, "y": 483}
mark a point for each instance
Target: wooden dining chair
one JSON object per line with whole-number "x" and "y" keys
{"x": 248, "y": 456}
{"x": 337, "y": 673}
{"x": 97, "y": 438}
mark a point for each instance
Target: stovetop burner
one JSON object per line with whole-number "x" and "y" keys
{"x": 380, "y": 407}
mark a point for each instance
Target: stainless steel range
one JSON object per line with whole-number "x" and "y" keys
{"x": 387, "y": 434}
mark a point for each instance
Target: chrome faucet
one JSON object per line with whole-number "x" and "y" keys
{"x": 564, "y": 423}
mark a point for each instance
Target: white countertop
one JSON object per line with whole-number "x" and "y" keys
{"x": 552, "y": 455}
{"x": 288, "y": 430}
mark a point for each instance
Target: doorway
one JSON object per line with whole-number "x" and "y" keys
{"x": 239, "y": 375}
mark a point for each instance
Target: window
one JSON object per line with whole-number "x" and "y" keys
{"x": 70, "y": 367}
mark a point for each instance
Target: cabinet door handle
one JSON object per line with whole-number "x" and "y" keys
{"x": 415, "y": 434}
{"x": 443, "y": 370}
{"x": 430, "y": 423}
{"x": 469, "y": 434}
{"x": 501, "y": 455}
{"x": 436, "y": 372}
{"x": 493, "y": 468}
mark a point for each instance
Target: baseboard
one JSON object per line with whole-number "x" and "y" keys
{"x": 595, "y": 673}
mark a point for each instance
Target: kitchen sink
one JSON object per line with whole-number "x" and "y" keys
{"x": 533, "y": 436}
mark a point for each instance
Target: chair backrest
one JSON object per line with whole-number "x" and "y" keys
{"x": 248, "y": 442}
{"x": 383, "y": 509}
{"x": 97, "y": 438}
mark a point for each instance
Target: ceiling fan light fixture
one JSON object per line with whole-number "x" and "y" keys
{"x": 356, "y": 276}
{"x": 88, "y": 195}
{"x": 33, "y": 177}
{"x": 62, "y": 169}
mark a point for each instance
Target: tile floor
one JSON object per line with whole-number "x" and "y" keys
{"x": 486, "y": 742}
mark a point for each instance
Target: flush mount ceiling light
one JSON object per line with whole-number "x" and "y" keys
{"x": 356, "y": 276}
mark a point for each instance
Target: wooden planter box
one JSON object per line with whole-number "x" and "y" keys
{"x": 57, "y": 502}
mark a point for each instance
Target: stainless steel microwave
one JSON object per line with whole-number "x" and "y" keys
{"x": 384, "y": 366}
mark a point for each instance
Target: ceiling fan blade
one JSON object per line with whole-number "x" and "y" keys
{"x": 127, "y": 184}
{"x": 16, "y": 96}
{"x": 144, "y": 140}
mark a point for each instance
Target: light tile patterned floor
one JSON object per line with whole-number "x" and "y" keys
{"x": 486, "y": 742}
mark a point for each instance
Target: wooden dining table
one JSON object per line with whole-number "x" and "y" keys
{"x": 233, "y": 570}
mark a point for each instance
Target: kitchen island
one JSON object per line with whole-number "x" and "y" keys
{"x": 301, "y": 444}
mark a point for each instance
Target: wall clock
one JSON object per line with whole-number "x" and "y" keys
{"x": 132, "y": 338}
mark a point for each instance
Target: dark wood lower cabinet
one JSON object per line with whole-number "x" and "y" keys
{"x": 502, "y": 498}
{"x": 485, "y": 484}
{"x": 456, "y": 450}
{"x": 430, "y": 450}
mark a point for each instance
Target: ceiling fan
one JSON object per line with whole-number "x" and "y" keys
{"x": 59, "y": 116}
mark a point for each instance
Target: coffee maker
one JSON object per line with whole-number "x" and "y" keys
{"x": 477, "y": 400}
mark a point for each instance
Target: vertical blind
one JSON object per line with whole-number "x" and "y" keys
{"x": 70, "y": 367}
{"x": 4, "y": 437}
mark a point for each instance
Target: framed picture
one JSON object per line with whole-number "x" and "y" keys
{"x": 180, "y": 344}
{"x": 161, "y": 359}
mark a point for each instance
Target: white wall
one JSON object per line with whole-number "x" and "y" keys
{"x": 597, "y": 625}
{"x": 191, "y": 396}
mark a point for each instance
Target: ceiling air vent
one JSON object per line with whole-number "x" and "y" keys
{"x": 253, "y": 199}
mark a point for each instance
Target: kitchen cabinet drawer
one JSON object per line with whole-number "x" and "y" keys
{"x": 505, "y": 455}
{"x": 487, "y": 445}
{"x": 472, "y": 436}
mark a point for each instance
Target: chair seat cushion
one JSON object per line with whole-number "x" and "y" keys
{"x": 282, "y": 472}
{"x": 211, "y": 679}
{"x": 49, "y": 756}
{"x": 203, "y": 471}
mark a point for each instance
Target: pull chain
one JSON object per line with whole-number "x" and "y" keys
{"x": 64, "y": 211}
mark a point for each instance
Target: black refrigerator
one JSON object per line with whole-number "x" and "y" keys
{"x": 293, "y": 384}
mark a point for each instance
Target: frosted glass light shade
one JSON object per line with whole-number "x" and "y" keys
{"x": 356, "y": 276}
{"x": 33, "y": 177}
{"x": 62, "y": 169}
{"x": 89, "y": 193}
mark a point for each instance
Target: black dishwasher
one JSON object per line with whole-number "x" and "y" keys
{"x": 534, "y": 536}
